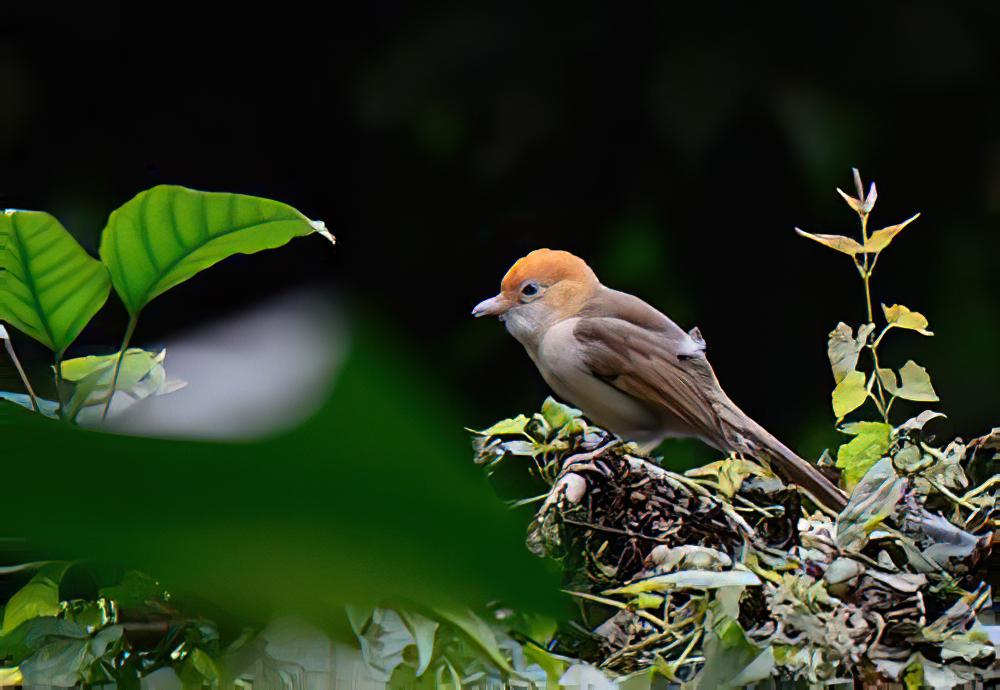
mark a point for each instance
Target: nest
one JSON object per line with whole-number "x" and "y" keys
{"x": 724, "y": 576}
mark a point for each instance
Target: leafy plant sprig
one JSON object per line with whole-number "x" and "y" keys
{"x": 50, "y": 287}
{"x": 855, "y": 386}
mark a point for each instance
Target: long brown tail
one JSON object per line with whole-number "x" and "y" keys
{"x": 743, "y": 435}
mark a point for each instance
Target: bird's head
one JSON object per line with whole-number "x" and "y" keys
{"x": 542, "y": 288}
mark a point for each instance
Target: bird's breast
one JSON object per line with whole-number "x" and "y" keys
{"x": 560, "y": 358}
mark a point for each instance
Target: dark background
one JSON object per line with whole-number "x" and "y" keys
{"x": 673, "y": 148}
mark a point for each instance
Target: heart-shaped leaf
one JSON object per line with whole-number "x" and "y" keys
{"x": 50, "y": 287}
{"x": 849, "y": 394}
{"x": 901, "y": 317}
{"x": 167, "y": 234}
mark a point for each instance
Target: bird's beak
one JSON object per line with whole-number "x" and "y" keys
{"x": 494, "y": 306}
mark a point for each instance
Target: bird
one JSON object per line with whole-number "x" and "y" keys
{"x": 630, "y": 369}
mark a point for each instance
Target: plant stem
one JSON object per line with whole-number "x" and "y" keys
{"x": 59, "y": 385}
{"x": 20, "y": 370}
{"x": 866, "y": 275}
{"x": 132, "y": 321}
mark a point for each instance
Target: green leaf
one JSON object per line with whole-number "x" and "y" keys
{"x": 423, "y": 630}
{"x": 870, "y": 443}
{"x": 142, "y": 375}
{"x": 199, "y": 669}
{"x": 479, "y": 633}
{"x": 558, "y": 415}
{"x": 880, "y": 239}
{"x": 505, "y": 427}
{"x": 901, "y": 317}
{"x": 843, "y": 348}
{"x": 167, "y": 234}
{"x": 849, "y": 394}
{"x": 50, "y": 287}
{"x": 40, "y": 597}
{"x": 838, "y": 242}
{"x": 135, "y": 590}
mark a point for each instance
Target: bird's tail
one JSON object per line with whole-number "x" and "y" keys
{"x": 740, "y": 433}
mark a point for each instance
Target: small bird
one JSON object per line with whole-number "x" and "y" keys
{"x": 631, "y": 369}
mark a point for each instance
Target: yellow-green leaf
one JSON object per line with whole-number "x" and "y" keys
{"x": 880, "y": 239}
{"x": 49, "y": 286}
{"x": 40, "y": 597}
{"x": 849, "y": 394}
{"x": 855, "y": 458}
{"x": 915, "y": 384}
{"x": 838, "y": 242}
{"x": 902, "y": 317}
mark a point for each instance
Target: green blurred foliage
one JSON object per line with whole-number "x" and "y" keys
{"x": 372, "y": 498}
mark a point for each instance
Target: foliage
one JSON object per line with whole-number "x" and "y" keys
{"x": 50, "y": 288}
{"x": 719, "y": 578}
{"x": 879, "y": 384}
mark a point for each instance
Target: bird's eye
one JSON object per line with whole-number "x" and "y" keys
{"x": 529, "y": 290}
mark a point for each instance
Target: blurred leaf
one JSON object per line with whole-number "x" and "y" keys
{"x": 423, "y": 630}
{"x": 838, "y": 242}
{"x": 135, "y": 590}
{"x": 901, "y": 317}
{"x": 11, "y": 677}
{"x": 26, "y": 638}
{"x": 50, "y": 287}
{"x": 480, "y": 635}
{"x": 843, "y": 348}
{"x": 731, "y": 660}
{"x": 379, "y": 478}
{"x": 60, "y": 663}
{"x": 880, "y": 239}
{"x": 40, "y": 597}
{"x": 167, "y": 234}
{"x": 49, "y": 408}
{"x": 849, "y": 394}
{"x": 199, "y": 669}
{"x": 870, "y": 443}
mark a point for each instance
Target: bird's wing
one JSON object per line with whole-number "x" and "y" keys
{"x": 645, "y": 355}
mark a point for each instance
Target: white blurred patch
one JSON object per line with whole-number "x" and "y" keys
{"x": 249, "y": 376}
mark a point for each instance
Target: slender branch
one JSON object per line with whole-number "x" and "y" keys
{"x": 60, "y": 384}
{"x": 20, "y": 370}
{"x": 132, "y": 321}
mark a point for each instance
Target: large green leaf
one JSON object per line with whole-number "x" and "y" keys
{"x": 373, "y": 498}
{"x": 40, "y": 597}
{"x": 870, "y": 443}
{"x": 167, "y": 234}
{"x": 49, "y": 286}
